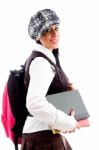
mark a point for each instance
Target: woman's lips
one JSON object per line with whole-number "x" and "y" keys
{"x": 54, "y": 40}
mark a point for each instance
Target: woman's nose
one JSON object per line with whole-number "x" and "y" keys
{"x": 55, "y": 33}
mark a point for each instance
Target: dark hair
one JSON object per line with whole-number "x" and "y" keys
{"x": 38, "y": 42}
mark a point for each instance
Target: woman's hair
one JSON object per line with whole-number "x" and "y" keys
{"x": 38, "y": 42}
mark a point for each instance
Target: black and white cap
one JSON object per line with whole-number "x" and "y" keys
{"x": 42, "y": 20}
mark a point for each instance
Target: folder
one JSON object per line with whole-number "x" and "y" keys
{"x": 65, "y": 101}
{"x": 84, "y": 122}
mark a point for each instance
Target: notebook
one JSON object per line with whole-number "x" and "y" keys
{"x": 84, "y": 122}
{"x": 70, "y": 100}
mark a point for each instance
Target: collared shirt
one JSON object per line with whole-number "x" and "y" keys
{"x": 45, "y": 115}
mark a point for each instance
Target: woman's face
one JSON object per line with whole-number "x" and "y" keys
{"x": 50, "y": 37}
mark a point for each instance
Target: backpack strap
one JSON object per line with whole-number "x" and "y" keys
{"x": 16, "y": 142}
{"x": 29, "y": 60}
{"x": 40, "y": 54}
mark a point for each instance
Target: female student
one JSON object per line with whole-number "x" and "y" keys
{"x": 37, "y": 131}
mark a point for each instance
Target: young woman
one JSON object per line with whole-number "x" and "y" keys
{"x": 37, "y": 131}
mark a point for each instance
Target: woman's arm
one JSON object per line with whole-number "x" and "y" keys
{"x": 41, "y": 76}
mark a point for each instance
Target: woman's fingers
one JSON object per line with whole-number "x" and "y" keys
{"x": 78, "y": 126}
{"x": 72, "y": 112}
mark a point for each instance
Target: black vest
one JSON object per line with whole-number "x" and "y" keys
{"x": 59, "y": 82}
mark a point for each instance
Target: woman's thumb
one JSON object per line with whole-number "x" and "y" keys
{"x": 72, "y": 112}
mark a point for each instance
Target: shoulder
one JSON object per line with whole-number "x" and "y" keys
{"x": 39, "y": 61}
{"x": 40, "y": 64}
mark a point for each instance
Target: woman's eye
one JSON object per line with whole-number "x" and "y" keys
{"x": 46, "y": 30}
{"x": 57, "y": 29}
{"x": 49, "y": 30}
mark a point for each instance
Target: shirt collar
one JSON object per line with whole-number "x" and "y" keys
{"x": 46, "y": 51}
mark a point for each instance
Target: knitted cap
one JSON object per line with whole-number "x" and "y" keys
{"x": 41, "y": 21}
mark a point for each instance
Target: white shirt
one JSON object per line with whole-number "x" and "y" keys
{"x": 45, "y": 115}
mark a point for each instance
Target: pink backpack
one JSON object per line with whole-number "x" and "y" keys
{"x": 7, "y": 118}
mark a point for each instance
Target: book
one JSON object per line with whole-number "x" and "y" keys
{"x": 84, "y": 123}
{"x": 65, "y": 101}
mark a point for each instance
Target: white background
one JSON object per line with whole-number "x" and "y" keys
{"x": 79, "y": 47}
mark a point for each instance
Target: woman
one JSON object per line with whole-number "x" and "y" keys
{"x": 37, "y": 131}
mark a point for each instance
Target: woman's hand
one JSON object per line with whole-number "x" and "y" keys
{"x": 77, "y": 126}
{"x": 70, "y": 86}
